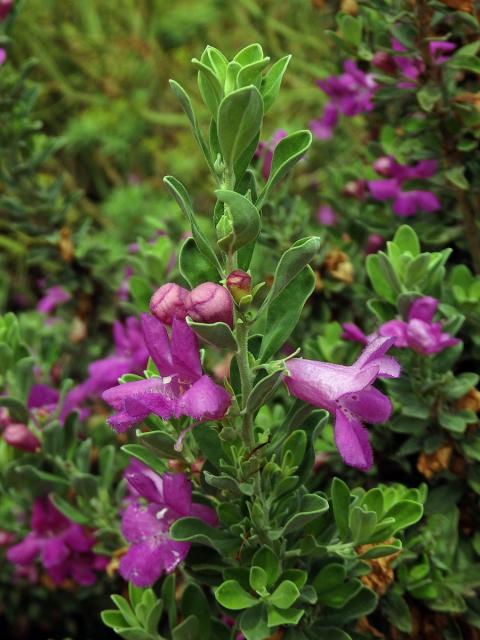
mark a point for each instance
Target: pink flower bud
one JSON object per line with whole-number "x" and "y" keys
{"x": 168, "y": 303}
{"x": 5, "y": 8}
{"x": 210, "y": 302}
{"x": 19, "y": 436}
{"x": 239, "y": 283}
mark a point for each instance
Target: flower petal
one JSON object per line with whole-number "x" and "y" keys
{"x": 186, "y": 357}
{"x": 25, "y": 551}
{"x": 145, "y": 562}
{"x": 321, "y": 383}
{"x": 352, "y": 442}
{"x": 423, "y": 309}
{"x": 158, "y": 344}
{"x": 140, "y": 523}
{"x": 370, "y": 405}
{"x": 205, "y": 400}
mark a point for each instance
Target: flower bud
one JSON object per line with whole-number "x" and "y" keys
{"x": 168, "y": 303}
{"x": 385, "y": 62}
{"x": 239, "y": 283}
{"x": 19, "y": 436}
{"x": 355, "y": 189}
{"x": 384, "y": 166}
{"x": 374, "y": 243}
{"x": 210, "y": 302}
{"x": 5, "y": 8}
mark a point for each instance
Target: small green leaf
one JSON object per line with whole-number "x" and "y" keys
{"x": 232, "y": 596}
{"x": 272, "y": 81}
{"x": 183, "y": 199}
{"x": 70, "y": 511}
{"x": 193, "y": 265}
{"x": 341, "y": 505}
{"x": 406, "y": 513}
{"x": 239, "y": 120}
{"x": 139, "y": 452}
{"x": 218, "y": 334}
{"x": 244, "y": 218}
{"x": 268, "y": 561}
{"x": 284, "y": 312}
{"x": 285, "y": 156}
{"x": 262, "y": 391}
{"x": 258, "y": 580}
{"x": 407, "y": 240}
{"x": 292, "y": 262}
{"x": 285, "y": 595}
{"x": 186, "y": 630}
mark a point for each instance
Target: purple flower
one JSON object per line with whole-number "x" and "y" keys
{"x": 43, "y": 401}
{"x": 412, "y": 67}
{"x": 152, "y": 552}
{"x": 168, "y": 302}
{"x": 420, "y": 333}
{"x": 3, "y": 56}
{"x": 130, "y": 356}
{"x": 405, "y": 203}
{"x": 54, "y": 296}
{"x": 441, "y": 50}
{"x": 327, "y": 215}
{"x": 350, "y": 93}
{"x": 210, "y": 302}
{"x": 265, "y": 150}
{"x": 63, "y": 547}
{"x": 323, "y": 127}
{"x": 347, "y": 393}
{"x": 181, "y": 389}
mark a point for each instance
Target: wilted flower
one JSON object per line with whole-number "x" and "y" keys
{"x": 420, "y": 333}
{"x": 210, "y": 302}
{"x": 350, "y": 93}
{"x": 181, "y": 389}
{"x": 152, "y": 552}
{"x": 374, "y": 243}
{"x": 347, "y": 393}
{"x": 63, "y": 547}
{"x": 168, "y": 302}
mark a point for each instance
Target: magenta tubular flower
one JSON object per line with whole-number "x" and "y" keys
{"x": 347, "y": 393}
{"x": 409, "y": 203}
{"x": 63, "y": 547}
{"x": 152, "y": 552}
{"x": 327, "y": 215}
{"x": 168, "y": 302}
{"x": 20, "y": 437}
{"x": 3, "y": 56}
{"x": 5, "y": 8}
{"x": 54, "y": 297}
{"x": 420, "y": 333}
{"x": 265, "y": 150}
{"x": 181, "y": 389}
{"x": 210, "y": 302}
